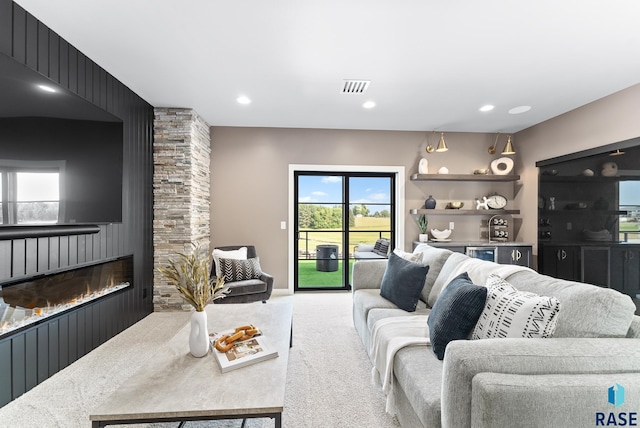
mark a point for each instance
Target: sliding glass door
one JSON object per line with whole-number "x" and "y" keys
{"x": 334, "y": 212}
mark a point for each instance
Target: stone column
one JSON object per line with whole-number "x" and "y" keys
{"x": 181, "y": 156}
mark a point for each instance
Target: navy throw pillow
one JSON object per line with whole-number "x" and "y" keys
{"x": 402, "y": 282}
{"x": 455, "y": 313}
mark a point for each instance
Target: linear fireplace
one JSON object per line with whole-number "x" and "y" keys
{"x": 31, "y": 300}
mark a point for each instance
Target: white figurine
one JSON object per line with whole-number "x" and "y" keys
{"x": 482, "y": 205}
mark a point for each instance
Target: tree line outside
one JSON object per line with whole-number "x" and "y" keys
{"x": 314, "y": 217}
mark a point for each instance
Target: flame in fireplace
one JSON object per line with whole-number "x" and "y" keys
{"x": 13, "y": 318}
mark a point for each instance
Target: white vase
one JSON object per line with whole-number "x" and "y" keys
{"x": 199, "y": 336}
{"x": 423, "y": 237}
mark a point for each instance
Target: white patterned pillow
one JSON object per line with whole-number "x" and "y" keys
{"x": 509, "y": 313}
{"x": 240, "y": 270}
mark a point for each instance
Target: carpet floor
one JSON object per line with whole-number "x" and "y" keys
{"x": 328, "y": 380}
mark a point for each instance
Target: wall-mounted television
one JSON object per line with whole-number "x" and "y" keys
{"x": 61, "y": 157}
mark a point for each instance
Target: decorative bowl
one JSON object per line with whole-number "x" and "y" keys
{"x": 455, "y": 205}
{"x": 440, "y": 234}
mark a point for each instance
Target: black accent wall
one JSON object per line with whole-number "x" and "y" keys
{"x": 37, "y": 353}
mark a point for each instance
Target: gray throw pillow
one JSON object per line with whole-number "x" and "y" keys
{"x": 455, "y": 313}
{"x": 240, "y": 270}
{"x": 402, "y": 282}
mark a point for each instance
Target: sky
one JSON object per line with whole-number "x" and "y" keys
{"x": 328, "y": 189}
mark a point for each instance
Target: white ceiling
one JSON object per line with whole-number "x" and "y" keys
{"x": 431, "y": 64}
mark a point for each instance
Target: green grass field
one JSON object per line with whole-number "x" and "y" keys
{"x": 367, "y": 230}
{"x": 309, "y": 277}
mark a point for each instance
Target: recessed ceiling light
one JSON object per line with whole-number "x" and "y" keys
{"x": 487, "y": 107}
{"x": 521, "y": 109}
{"x": 46, "y": 88}
{"x": 243, "y": 100}
{"x": 369, "y": 104}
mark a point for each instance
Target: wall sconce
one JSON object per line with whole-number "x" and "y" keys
{"x": 442, "y": 146}
{"x": 508, "y": 148}
{"x": 492, "y": 149}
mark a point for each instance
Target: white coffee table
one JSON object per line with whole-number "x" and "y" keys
{"x": 175, "y": 386}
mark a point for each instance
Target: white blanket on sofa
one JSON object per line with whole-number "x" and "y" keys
{"x": 389, "y": 335}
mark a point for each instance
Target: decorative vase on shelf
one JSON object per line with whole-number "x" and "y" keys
{"x": 423, "y": 166}
{"x": 423, "y": 237}
{"x": 430, "y": 203}
{"x": 199, "y": 336}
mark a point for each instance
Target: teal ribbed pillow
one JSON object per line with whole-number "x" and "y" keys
{"x": 455, "y": 313}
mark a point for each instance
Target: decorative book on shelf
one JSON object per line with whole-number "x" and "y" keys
{"x": 242, "y": 353}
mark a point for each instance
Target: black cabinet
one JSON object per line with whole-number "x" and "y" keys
{"x": 515, "y": 255}
{"x": 625, "y": 268}
{"x": 560, "y": 261}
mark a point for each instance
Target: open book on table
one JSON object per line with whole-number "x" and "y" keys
{"x": 242, "y": 353}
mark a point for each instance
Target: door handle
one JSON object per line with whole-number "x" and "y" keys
{"x": 562, "y": 254}
{"x": 518, "y": 255}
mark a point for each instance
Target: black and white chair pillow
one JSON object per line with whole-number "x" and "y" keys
{"x": 240, "y": 270}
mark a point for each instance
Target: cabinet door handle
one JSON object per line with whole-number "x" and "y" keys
{"x": 518, "y": 255}
{"x": 562, "y": 254}
{"x": 513, "y": 255}
{"x": 558, "y": 256}
{"x": 630, "y": 254}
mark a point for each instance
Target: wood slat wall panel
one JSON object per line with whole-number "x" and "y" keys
{"x": 62, "y": 341}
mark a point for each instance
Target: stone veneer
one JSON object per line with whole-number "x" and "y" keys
{"x": 181, "y": 156}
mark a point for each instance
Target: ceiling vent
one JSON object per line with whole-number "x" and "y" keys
{"x": 355, "y": 86}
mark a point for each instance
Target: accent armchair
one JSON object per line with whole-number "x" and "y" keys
{"x": 243, "y": 275}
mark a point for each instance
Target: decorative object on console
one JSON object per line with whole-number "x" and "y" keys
{"x": 509, "y": 313}
{"x": 588, "y": 172}
{"x": 440, "y": 234}
{"x": 190, "y": 276}
{"x": 502, "y": 166}
{"x": 443, "y": 170}
{"x": 423, "y": 222}
{"x": 430, "y": 203}
{"x": 423, "y": 166}
{"x": 609, "y": 169}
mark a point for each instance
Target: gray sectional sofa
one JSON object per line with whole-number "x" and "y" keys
{"x": 563, "y": 381}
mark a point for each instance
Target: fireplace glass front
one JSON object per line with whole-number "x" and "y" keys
{"x": 34, "y": 299}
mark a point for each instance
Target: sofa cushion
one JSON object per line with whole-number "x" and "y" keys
{"x": 364, "y": 300}
{"x": 418, "y": 374}
{"x": 435, "y": 259}
{"x": 455, "y": 313}
{"x": 477, "y": 269}
{"x": 376, "y": 314}
{"x": 240, "y": 270}
{"x": 402, "y": 282}
{"x": 587, "y": 310}
{"x": 510, "y": 313}
{"x": 246, "y": 287}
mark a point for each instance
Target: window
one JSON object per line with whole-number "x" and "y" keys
{"x": 29, "y": 196}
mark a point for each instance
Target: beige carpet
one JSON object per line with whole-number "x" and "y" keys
{"x": 328, "y": 380}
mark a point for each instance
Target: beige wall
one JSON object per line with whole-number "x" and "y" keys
{"x": 602, "y": 122}
{"x": 250, "y": 174}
